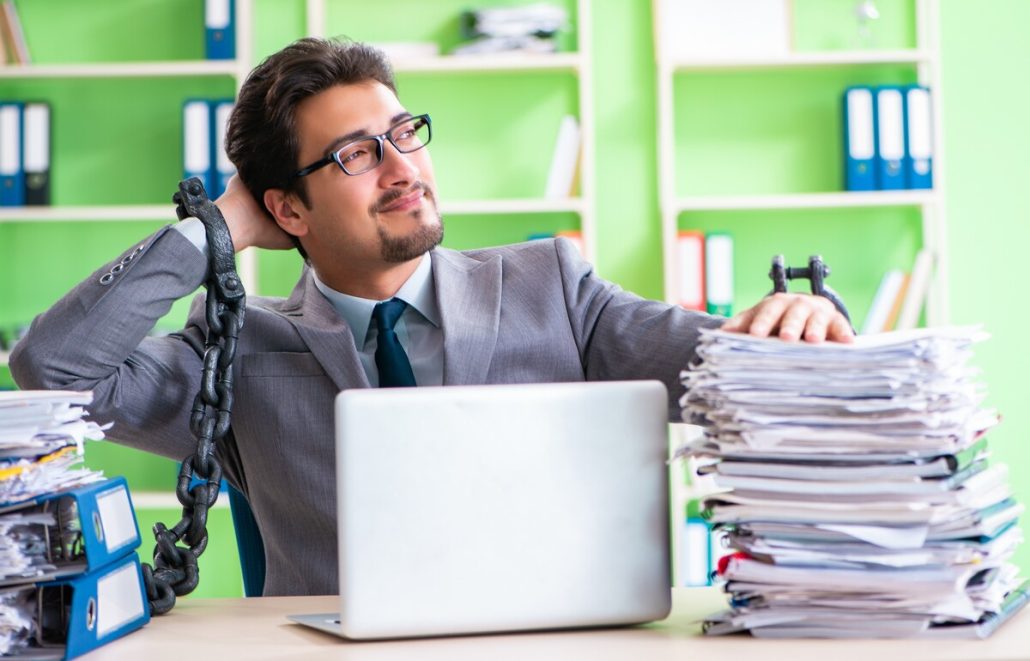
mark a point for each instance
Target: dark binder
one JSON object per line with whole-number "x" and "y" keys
{"x": 36, "y": 156}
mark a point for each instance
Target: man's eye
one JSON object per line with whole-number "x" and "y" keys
{"x": 353, "y": 155}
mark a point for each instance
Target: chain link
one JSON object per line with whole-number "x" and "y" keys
{"x": 175, "y": 567}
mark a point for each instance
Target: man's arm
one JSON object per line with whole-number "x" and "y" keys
{"x": 95, "y": 338}
{"x": 623, "y": 336}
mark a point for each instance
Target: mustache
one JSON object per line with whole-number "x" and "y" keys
{"x": 392, "y": 195}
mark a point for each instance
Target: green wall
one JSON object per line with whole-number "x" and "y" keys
{"x": 985, "y": 56}
{"x": 777, "y": 131}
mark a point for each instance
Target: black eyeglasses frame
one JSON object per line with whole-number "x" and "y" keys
{"x": 334, "y": 156}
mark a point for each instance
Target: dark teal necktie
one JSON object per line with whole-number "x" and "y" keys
{"x": 391, "y": 361}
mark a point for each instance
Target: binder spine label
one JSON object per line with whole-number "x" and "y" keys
{"x": 12, "y": 182}
{"x": 119, "y": 598}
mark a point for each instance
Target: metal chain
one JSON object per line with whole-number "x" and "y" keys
{"x": 175, "y": 567}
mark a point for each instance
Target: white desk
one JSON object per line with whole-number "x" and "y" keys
{"x": 225, "y": 629}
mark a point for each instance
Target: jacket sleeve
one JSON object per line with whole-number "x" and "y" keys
{"x": 625, "y": 337}
{"x": 96, "y": 338}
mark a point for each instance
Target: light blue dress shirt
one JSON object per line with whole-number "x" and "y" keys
{"x": 418, "y": 329}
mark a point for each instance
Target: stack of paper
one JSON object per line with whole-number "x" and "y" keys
{"x": 16, "y": 620}
{"x": 859, "y": 498}
{"x": 529, "y": 29}
{"x": 68, "y": 538}
{"x": 41, "y": 437}
{"x": 25, "y": 545}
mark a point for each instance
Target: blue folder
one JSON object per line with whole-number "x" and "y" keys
{"x": 891, "y": 161}
{"x": 859, "y": 139}
{"x": 95, "y": 526}
{"x": 197, "y": 135}
{"x": 222, "y": 167}
{"x": 12, "y": 173}
{"x": 220, "y": 29}
{"x": 919, "y": 136}
{"x": 86, "y": 611}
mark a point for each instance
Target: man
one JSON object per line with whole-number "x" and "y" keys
{"x": 336, "y": 165}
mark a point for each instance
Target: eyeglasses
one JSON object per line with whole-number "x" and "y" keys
{"x": 366, "y": 153}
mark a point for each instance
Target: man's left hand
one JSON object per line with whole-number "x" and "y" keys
{"x": 793, "y": 317}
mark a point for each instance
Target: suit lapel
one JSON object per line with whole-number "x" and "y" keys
{"x": 326, "y": 334}
{"x": 468, "y": 294}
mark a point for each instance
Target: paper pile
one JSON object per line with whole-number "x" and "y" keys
{"x": 527, "y": 29}
{"x": 41, "y": 437}
{"x": 860, "y": 501}
{"x": 16, "y": 621}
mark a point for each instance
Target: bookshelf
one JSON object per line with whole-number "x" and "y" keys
{"x": 704, "y": 103}
{"x": 122, "y": 69}
{"x": 839, "y": 200}
{"x": 491, "y": 63}
{"x": 917, "y": 62}
{"x": 841, "y": 58}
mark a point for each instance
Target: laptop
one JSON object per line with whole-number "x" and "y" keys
{"x": 482, "y": 509}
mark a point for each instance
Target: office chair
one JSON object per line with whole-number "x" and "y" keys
{"x": 249, "y": 543}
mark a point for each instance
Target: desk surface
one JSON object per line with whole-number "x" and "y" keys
{"x": 225, "y": 629}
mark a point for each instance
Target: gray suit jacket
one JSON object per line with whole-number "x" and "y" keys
{"x": 532, "y": 312}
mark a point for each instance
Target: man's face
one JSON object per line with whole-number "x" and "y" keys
{"x": 386, "y": 215}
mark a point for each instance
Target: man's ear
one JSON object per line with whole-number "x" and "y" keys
{"x": 283, "y": 207}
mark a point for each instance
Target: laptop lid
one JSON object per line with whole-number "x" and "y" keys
{"x": 478, "y": 509}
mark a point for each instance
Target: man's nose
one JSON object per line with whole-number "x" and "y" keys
{"x": 398, "y": 167}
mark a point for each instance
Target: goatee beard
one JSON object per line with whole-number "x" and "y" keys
{"x": 404, "y": 248}
{"x": 425, "y": 237}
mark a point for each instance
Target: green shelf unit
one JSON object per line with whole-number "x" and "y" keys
{"x": 767, "y": 132}
{"x": 798, "y": 234}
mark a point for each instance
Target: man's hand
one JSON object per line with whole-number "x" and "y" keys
{"x": 792, "y": 317}
{"x": 249, "y": 224}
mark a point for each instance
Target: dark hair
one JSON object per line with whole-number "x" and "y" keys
{"x": 261, "y": 139}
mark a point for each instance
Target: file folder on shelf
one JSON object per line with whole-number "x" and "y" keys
{"x": 919, "y": 137}
{"x": 220, "y": 29}
{"x": 890, "y": 138}
{"x": 576, "y": 237}
{"x": 37, "y": 153}
{"x": 859, "y": 139}
{"x": 917, "y": 290}
{"x": 12, "y": 176}
{"x": 224, "y": 169}
{"x": 876, "y": 320}
{"x": 93, "y": 526}
{"x": 561, "y": 176}
{"x": 196, "y": 140}
{"x": 14, "y": 33}
{"x": 696, "y": 550}
{"x": 719, "y": 273}
{"x": 690, "y": 265}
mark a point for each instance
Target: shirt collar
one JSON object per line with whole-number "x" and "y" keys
{"x": 417, "y": 291}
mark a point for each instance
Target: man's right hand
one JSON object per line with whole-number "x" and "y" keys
{"x": 249, "y": 224}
